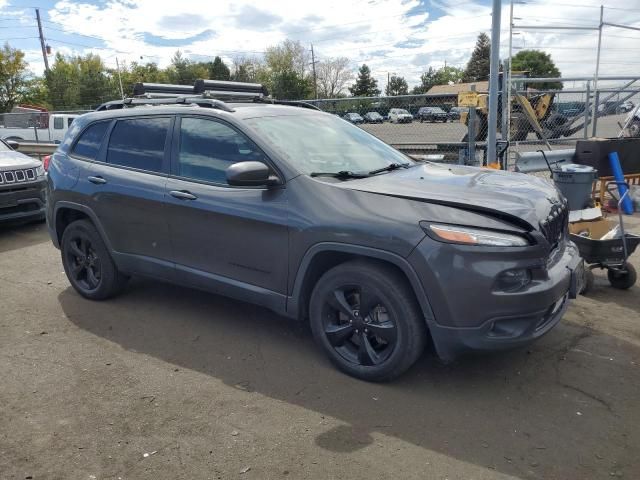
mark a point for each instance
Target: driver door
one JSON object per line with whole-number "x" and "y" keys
{"x": 224, "y": 236}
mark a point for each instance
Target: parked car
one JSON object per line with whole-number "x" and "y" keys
{"x": 625, "y": 107}
{"x": 354, "y": 118}
{"x": 22, "y": 185}
{"x": 432, "y": 114}
{"x": 373, "y": 117}
{"x": 400, "y": 115}
{"x": 456, "y": 112}
{"x": 569, "y": 109}
{"x": 295, "y": 210}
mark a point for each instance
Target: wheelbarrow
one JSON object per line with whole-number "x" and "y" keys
{"x": 611, "y": 255}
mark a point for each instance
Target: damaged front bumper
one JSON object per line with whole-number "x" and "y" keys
{"x": 470, "y": 310}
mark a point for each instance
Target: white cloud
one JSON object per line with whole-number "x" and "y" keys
{"x": 376, "y": 32}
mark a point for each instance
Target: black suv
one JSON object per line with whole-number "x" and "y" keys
{"x": 299, "y": 211}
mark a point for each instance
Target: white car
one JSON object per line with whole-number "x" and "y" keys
{"x": 400, "y": 115}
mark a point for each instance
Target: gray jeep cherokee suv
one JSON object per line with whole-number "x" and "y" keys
{"x": 299, "y": 211}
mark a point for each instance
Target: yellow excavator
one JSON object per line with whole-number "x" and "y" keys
{"x": 531, "y": 112}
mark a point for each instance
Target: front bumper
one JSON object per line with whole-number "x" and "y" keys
{"x": 472, "y": 314}
{"x": 23, "y": 200}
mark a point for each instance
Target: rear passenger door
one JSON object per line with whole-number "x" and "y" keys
{"x": 127, "y": 191}
{"x": 222, "y": 234}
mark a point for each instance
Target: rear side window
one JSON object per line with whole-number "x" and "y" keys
{"x": 89, "y": 142}
{"x": 139, "y": 143}
{"x": 58, "y": 123}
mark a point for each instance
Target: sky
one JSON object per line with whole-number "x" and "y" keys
{"x": 402, "y": 37}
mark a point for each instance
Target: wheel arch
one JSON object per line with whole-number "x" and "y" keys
{"x": 324, "y": 256}
{"x": 67, "y": 212}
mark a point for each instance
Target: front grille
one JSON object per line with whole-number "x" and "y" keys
{"x": 555, "y": 226}
{"x": 17, "y": 176}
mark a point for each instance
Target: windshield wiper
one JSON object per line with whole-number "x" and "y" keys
{"x": 343, "y": 174}
{"x": 390, "y": 167}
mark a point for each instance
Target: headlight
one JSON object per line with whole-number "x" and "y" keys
{"x": 473, "y": 236}
{"x": 40, "y": 171}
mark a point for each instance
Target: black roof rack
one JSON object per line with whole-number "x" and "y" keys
{"x": 183, "y": 100}
{"x": 161, "y": 89}
{"x": 204, "y": 93}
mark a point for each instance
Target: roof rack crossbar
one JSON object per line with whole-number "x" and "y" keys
{"x": 181, "y": 100}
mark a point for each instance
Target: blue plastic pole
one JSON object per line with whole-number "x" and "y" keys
{"x": 618, "y": 175}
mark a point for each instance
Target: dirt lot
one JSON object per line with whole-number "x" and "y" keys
{"x": 212, "y": 388}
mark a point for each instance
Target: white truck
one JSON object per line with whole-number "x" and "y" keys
{"x": 37, "y": 127}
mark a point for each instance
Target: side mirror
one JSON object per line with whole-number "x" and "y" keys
{"x": 250, "y": 174}
{"x": 12, "y": 144}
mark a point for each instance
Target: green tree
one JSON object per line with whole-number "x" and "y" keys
{"x": 247, "y": 69}
{"x": 427, "y": 80}
{"x": 538, "y": 64}
{"x": 138, "y": 73}
{"x": 366, "y": 85}
{"x": 13, "y": 77}
{"x": 218, "y": 70}
{"x": 479, "y": 63}
{"x": 289, "y": 85}
{"x": 183, "y": 71}
{"x": 446, "y": 75}
{"x": 396, "y": 86}
{"x": 77, "y": 82}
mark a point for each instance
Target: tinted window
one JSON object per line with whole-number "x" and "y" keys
{"x": 70, "y": 121}
{"x": 138, "y": 143}
{"x": 89, "y": 142}
{"x": 207, "y": 148}
{"x": 58, "y": 123}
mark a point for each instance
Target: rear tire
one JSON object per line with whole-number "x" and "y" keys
{"x": 87, "y": 262}
{"x": 623, "y": 281}
{"x": 366, "y": 319}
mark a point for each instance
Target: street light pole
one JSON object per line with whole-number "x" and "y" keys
{"x": 493, "y": 81}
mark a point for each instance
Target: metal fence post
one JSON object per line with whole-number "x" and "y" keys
{"x": 587, "y": 110}
{"x": 471, "y": 155}
{"x": 596, "y": 104}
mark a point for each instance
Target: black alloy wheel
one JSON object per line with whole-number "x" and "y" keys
{"x": 358, "y": 325}
{"x": 84, "y": 262}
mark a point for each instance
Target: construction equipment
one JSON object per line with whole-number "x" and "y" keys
{"x": 531, "y": 112}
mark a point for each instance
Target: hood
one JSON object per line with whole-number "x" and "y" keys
{"x": 12, "y": 160}
{"x": 522, "y": 199}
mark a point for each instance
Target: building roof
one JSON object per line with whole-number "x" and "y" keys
{"x": 456, "y": 88}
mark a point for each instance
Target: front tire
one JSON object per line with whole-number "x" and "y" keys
{"x": 366, "y": 319}
{"x": 87, "y": 262}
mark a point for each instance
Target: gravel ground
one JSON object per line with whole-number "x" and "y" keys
{"x": 169, "y": 383}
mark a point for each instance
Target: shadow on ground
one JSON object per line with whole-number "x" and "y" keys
{"x": 15, "y": 235}
{"x": 564, "y": 408}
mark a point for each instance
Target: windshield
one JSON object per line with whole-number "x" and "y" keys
{"x": 402, "y": 112}
{"x": 324, "y": 143}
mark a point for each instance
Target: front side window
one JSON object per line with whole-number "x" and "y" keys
{"x": 208, "y": 147}
{"x": 139, "y": 143}
{"x": 324, "y": 143}
{"x": 89, "y": 142}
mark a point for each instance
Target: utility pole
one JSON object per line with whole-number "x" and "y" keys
{"x": 120, "y": 78}
{"x": 315, "y": 79}
{"x": 493, "y": 81}
{"x": 595, "y": 79}
{"x": 44, "y": 48}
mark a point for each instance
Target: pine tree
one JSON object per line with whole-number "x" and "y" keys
{"x": 218, "y": 70}
{"x": 397, "y": 86}
{"x": 478, "y": 66}
{"x": 366, "y": 85}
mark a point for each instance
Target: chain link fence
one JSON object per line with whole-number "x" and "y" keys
{"x": 435, "y": 127}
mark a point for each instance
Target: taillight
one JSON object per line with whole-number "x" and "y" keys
{"x": 45, "y": 162}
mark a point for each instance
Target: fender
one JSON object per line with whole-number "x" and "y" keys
{"x": 81, "y": 208}
{"x": 293, "y": 302}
